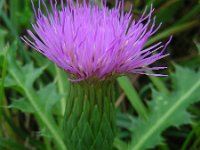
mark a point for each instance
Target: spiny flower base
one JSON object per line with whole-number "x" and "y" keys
{"x": 90, "y": 117}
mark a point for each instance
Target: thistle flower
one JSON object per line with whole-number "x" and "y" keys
{"x": 92, "y": 42}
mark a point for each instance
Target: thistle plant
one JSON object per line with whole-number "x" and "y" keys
{"x": 94, "y": 45}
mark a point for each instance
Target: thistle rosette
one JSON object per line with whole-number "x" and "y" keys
{"x": 94, "y": 44}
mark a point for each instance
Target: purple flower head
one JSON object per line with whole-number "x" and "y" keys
{"x": 93, "y": 42}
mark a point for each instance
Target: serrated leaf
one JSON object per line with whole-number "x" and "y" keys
{"x": 167, "y": 110}
{"x": 19, "y": 74}
{"x": 26, "y": 74}
{"x": 9, "y": 82}
{"x": 48, "y": 97}
{"x": 23, "y": 105}
{"x": 44, "y": 132}
{"x": 31, "y": 73}
{"x": 119, "y": 144}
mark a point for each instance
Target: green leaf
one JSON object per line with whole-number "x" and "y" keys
{"x": 31, "y": 74}
{"x": 167, "y": 110}
{"x": 9, "y": 81}
{"x": 158, "y": 83}
{"x": 19, "y": 74}
{"x": 23, "y": 105}
{"x": 119, "y": 144}
{"x": 48, "y": 97}
{"x": 28, "y": 74}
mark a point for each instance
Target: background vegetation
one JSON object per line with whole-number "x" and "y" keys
{"x": 152, "y": 112}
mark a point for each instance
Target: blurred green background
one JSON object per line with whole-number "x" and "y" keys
{"x": 152, "y": 112}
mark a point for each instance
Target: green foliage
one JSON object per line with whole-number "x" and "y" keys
{"x": 34, "y": 92}
{"x": 9, "y": 144}
{"x": 132, "y": 95}
{"x": 47, "y": 99}
{"x": 41, "y": 102}
{"x": 23, "y": 105}
{"x": 171, "y": 8}
{"x": 167, "y": 110}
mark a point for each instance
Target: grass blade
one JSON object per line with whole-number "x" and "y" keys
{"x": 133, "y": 96}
